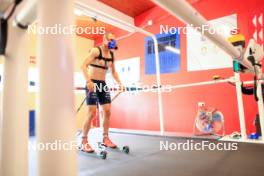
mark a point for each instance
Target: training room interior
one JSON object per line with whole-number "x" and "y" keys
{"x": 184, "y": 87}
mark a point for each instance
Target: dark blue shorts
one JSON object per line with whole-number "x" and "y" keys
{"x": 99, "y": 95}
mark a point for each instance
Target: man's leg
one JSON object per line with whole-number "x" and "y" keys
{"x": 87, "y": 123}
{"x": 106, "y": 116}
{"x": 86, "y": 127}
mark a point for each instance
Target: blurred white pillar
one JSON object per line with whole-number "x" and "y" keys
{"x": 260, "y": 102}
{"x": 55, "y": 117}
{"x": 14, "y": 122}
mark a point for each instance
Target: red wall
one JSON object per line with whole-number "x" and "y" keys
{"x": 180, "y": 106}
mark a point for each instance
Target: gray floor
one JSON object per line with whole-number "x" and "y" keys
{"x": 146, "y": 159}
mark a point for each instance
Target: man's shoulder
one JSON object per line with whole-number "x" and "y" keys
{"x": 95, "y": 51}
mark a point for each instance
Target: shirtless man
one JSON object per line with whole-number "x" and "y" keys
{"x": 94, "y": 69}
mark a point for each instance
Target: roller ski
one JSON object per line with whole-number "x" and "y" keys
{"x": 86, "y": 148}
{"x": 108, "y": 144}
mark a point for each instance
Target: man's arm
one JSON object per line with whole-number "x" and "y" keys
{"x": 92, "y": 54}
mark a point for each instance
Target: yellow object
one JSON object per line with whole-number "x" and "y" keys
{"x": 216, "y": 77}
{"x": 236, "y": 38}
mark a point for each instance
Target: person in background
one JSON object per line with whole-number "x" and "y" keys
{"x": 95, "y": 66}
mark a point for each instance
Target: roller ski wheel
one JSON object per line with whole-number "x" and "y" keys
{"x": 125, "y": 149}
{"x": 103, "y": 155}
